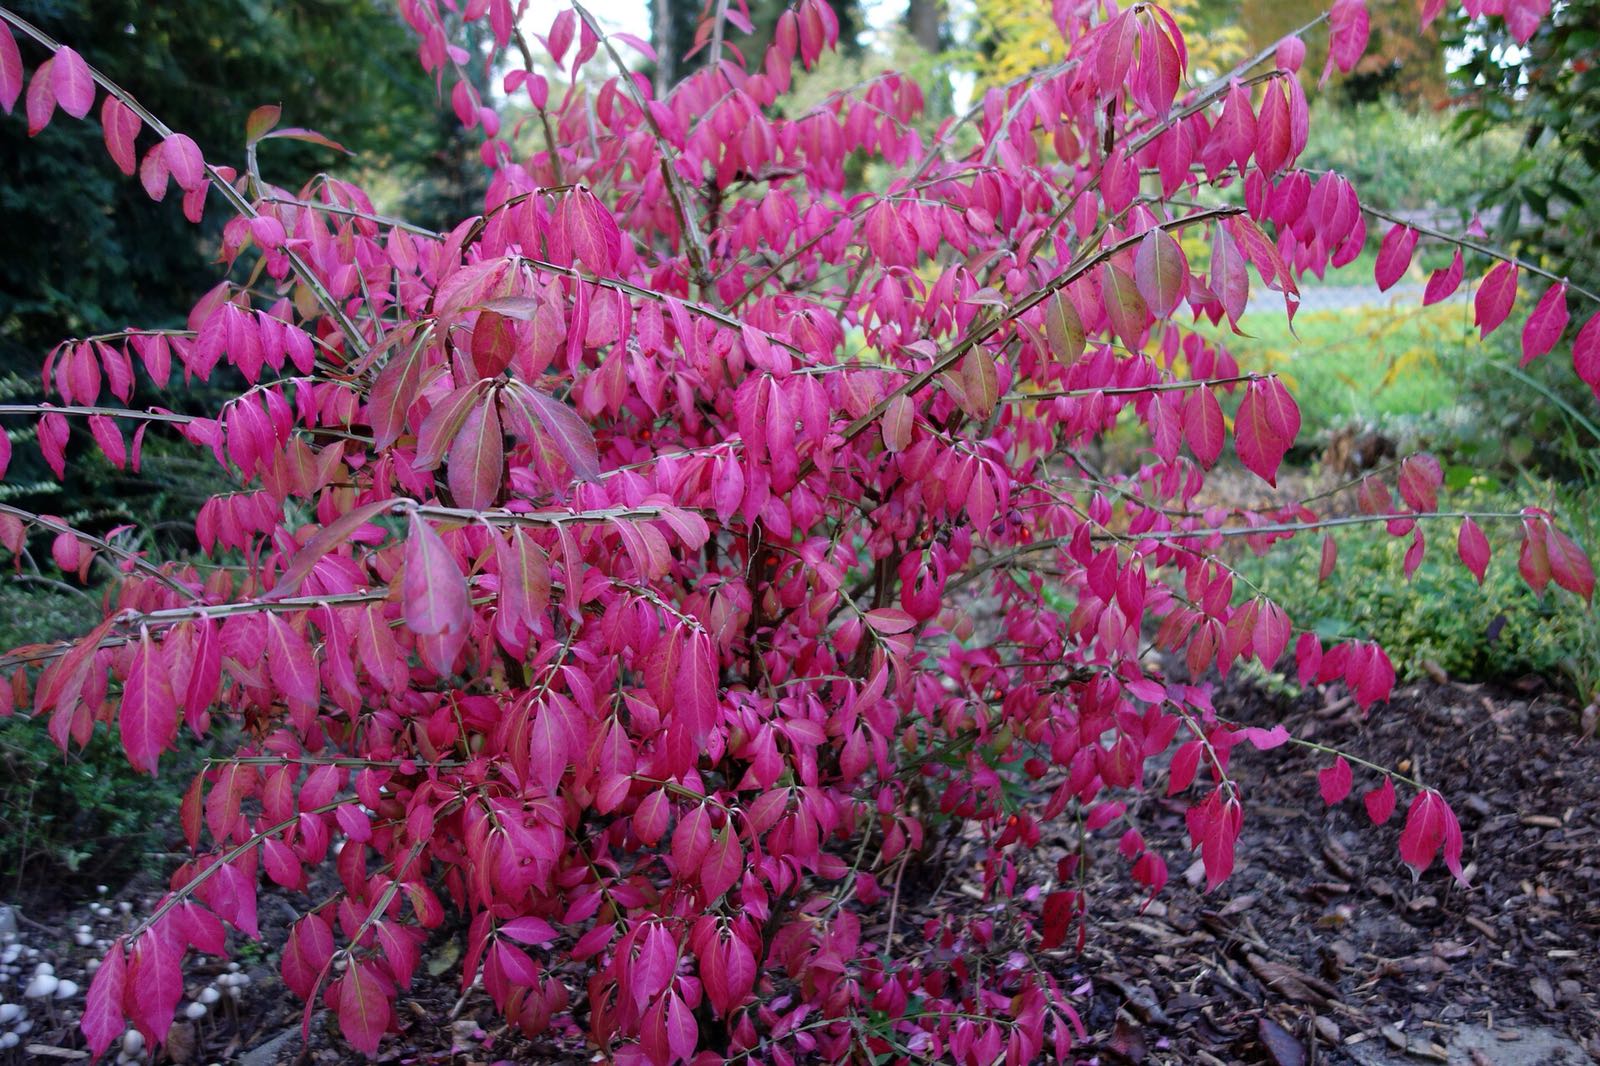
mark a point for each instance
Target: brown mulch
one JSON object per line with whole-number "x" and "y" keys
{"x": 1322, "y": 941}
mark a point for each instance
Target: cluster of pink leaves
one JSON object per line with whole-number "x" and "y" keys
{"x": 651, "y": 567}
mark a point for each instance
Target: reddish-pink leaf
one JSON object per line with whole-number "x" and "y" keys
{"x": 1273, "y": 136}
{"x": 1063, "y": 327}
{"x": 890, "y": 620}
{"x": 72, "y": 82}
{"x": 1496, "y": 294}
{"x": 154, "y": 984}
{"x": 121, "y": 127}
{"x": 723, "y": 864}
{"x": 1394, "y": 255}
{"x": 1569, "y": 566}
{"x": 41, "y": 101}
{"x": 1258, "y": 428}
{"x": 103, "y": 1021}
{"x": 590, "y": 231}
{"x": 1442, "y": 283}
{"x": 1545, "y": 326}
{"x": 1419, "y": 480}
{"x": 184, "y": 161}
{"x": 433, "y": 593}
{"x": 570, "y": 434}
{"x": 364, "y": 1010}
{"x": 1586, "y": 354}
{"x": 1161, "y": 272}
{"x": 683, "y": 1034}
{"x": 1124, "y": 306}
{"x": 149, "y": 713}
{"x": 10, "y": 69}
{"x": 528, "y": 930}
{"x": 899, "y": 420}
{"x": 477, "y": 457}
{"x": 1473, "y": 547}
{"x": 307, "y": 952}
{"x": 1347, "y": 34}
{"x": 1380, "y": 802}
{"x": 1330, "y": 558}
{"x": 1430, "y": 825}
{"x": 1214, "y": 828}
{"x": 1334, "y": 781}
{"x": 1203, "y": 425}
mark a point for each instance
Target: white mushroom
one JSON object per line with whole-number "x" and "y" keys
{"x": 83, "y": 940}
{"x": 132, "y": 1042}
{"x": 195, "y": 1011}
{"x": 42, "y": 985}
{"x": 9, "y": 1041}
{"x": 208, "y": 996}
{"x": 66, "y": 989}
{"x": 44, "y": 967}
{"x": 10, "y": 1012}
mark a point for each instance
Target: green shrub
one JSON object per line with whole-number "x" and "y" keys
{"x": 1500, "y": 631}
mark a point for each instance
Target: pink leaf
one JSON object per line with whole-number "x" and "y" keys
{"x": 1419, "y": 481}
{"x": 1380, "y": 802}
{"x": 1442, "y": 283}
{"x": 528, "y": 930}
{"x": 1259, "y": 428}
{"x": 1545, "y": 326}
{"x": 723, "y": 864}
{"x": 149, "y": 713}
{"x": 571, "y": 436}
{"x": 1161, "y": 272}
{"x": 184, "y": 161}
{"x": 1586, "y": 354}
{"x": 1569, "y": 566}
{"x": 1334, "y": 781}
{"x": 477, "y": 457}
{"x": 1203, "y": 426}
{"x": 1430, "y": 825}
{"x": 1495, "y": 296}
{"x": 1473, "y": 547}
{"x": 1347, "y": 36}
{"x": 103, "y": 1022}
{"x": 1394, "y": 255}
{"x": 433, "y": 592}
{"x": 364, "y": 1011}
{"x": 10, "y": 69}
{"x": 72, "y": 82}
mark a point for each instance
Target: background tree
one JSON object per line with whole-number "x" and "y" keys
{"x": 86, "y": 251}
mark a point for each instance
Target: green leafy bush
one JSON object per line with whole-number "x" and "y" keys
{"x": 1441, "y": 616}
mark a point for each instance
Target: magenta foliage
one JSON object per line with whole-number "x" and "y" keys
{"x": 652, "y": 567}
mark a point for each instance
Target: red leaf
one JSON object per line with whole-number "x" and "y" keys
{"x": 723, "y": 864}
{"x": 154, "y": 985}
{"x": 149, "y": 713}
{"x": 72, "y": 82}
{"x": 1273, "y": 138}
{"x": 1124, "y": 306}
{"x": 1161, "y": 272}
{"x": 1380, "y": 802}
{"x": 433, "y": 592}
{"x": 571, "y": 435}
{"x": 1545, "y": 326}
{"x": 1569, "y": 566}
{"x": 1203, "y": 425}
{"x": 1063, "y": 327}
{"x": 528, "y": 930}
{"x": 184, "y": 161}
{"x": 10, "y": 70}
{"x": 1334, "y": 781}
{"x": 1258, "y": 428}
{"x": 1586, "y": 354}
{"x": 1473, "y": 547}
{"x": 364, "y": 1011}
{"x": 306, "y": 954}
{"x": 1495, "y": 296}
{"x": 1214, "y": 828}
{"x": 121, "y": 126}
{"x": 41, "y": 101}
{"x": 1394, "y": 255}
{"x": 1420, "y": 479}
{"x": 477, "y": 457}
{"x": 1430, "y": 824}
{"x": 103, "y": 1022}
{"x": 1330, "y": 558}
{"x": 590, "y": 231}
{"x": 1442, "y": 283}
{"x": 1347, "y": 34}
{"x": 682, "y": 1031}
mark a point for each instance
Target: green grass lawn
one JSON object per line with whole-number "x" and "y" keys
{"x": 1388, "y": 366}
